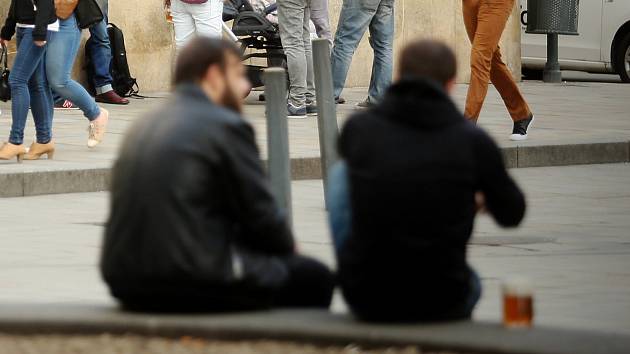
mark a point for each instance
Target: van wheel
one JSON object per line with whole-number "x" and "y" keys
{"x": 622, "y": 59}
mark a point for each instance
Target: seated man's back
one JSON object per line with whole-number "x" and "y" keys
{"x": 193, "y": 225}
{"x": 415, "y": 167}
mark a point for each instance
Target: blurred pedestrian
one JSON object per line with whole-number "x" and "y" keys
{"x": 355, "y": 18}
{"x": 485, "y": 21}
{"x": 34, "y": 21}
{"x": 100, "y": 52}
{"x": 62, "y": 52}
{"x": 294, "y": 22}
{"x": 414, "y": 175}
{"x": 204, "y": 233}
{"x": 195, "y": 17}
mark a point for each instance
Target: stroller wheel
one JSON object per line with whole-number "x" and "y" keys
{"x": 261, "y": 97}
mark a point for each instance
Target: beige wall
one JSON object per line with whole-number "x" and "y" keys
{"x": 149, "y": 38}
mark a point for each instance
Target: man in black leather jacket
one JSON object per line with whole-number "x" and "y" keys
{"x": 193, "y": 225}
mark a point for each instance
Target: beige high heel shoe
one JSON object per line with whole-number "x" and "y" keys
{"x": 36, "y": 151}
{"x": 10, "y": 151}
{"x": 97, "y": 129}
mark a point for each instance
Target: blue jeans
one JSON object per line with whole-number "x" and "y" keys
{"x": 62, "y": 51}
{"x": 101, "y": 55}
{"x": 357, "y": 16}
{"x": 338, "y": 202}
{"x": 29, "y": 88}
{"x": 340, "y": 219}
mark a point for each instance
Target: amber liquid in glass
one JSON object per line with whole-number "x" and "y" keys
{"x": 518, "y": 310}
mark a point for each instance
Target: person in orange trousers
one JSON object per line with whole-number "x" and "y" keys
{"x": 485, "y": 21}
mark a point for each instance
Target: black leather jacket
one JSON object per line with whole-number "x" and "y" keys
{"x": 191, "y": 205}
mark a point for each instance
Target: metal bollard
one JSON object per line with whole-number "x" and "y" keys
{"x": 278, "y": 138}
{"x": 552, "y": 71}
{"x": 327, "y": 112}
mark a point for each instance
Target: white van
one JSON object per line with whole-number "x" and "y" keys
{"x": 603, "y": 45}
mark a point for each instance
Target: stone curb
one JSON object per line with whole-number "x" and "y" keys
{"x": 97, "y": 179}
{"x": 308, "y": 326}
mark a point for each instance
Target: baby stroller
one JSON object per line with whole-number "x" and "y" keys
{"x": 254, "y": 31}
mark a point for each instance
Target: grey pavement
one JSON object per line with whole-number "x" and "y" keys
{"x": 574, "y": 245}
{"x": 568, "y": 113}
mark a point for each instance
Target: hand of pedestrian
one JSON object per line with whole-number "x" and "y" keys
{"x": 40, "y": 43}
{"x": 480, "y": 202}
{"x": 3, "y": 42}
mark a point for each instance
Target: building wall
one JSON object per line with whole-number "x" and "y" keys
{"x": 149, "y": 37}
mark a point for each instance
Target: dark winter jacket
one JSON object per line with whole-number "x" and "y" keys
{"x": 190, "y": 205}
{"x": 414, "y": 166}
{"x": 23, "y": 11}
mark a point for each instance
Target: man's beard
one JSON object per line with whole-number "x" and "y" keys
{"x": 232, "y": 101}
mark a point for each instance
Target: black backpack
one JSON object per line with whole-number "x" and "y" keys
{"x": 123, "y": 83}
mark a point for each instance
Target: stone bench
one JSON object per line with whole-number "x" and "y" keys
{"x": 308, "y": 326}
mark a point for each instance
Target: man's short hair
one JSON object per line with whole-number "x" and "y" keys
{"x": 428, "y": 59}
{"x": 198, "y": 55}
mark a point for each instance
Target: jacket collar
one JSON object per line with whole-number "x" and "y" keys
{"x": 420, "y": 103}
{"x": 192, "y": 91}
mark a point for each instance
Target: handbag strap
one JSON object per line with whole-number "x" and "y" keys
{"x": 3, "y": 58}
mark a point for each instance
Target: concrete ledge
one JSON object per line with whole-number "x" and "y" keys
{"x": 308, "y": 326}
{"x": 53, "y": 181}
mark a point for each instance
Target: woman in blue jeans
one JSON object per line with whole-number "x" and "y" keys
{"x": 35, "y": 21}
{"x": 63, "y": 49}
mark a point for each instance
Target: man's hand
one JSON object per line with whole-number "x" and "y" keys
{"x": 480, "y": 202}
{"x": 40, "y": 43}
{"x": 4, "y": 42}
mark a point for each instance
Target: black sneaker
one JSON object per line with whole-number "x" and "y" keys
{"x": 340, "y": 100}
{"x": 521, "y": 129}
{"x": 366, "y": 104}
{"x": 296, "y": 112}
{"x": 311, "y": 108}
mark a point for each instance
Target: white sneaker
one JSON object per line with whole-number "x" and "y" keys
{"x": 97, "y": 129}
{"x": 521, "y": 129}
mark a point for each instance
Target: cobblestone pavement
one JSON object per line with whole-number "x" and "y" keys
{"x": 574, "y": 245}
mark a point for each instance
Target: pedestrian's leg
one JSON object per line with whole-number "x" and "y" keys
{"x": 41, "y": 103}
{"x": 382, "y": 42}
{"x": 62, "y": 51}
{"x": 354, "y": 19}
{"x": 502, "y": 79}
{"x": 308, "y": 51}
{"x": 491, "y": 20}
{"x": 338, "y": 201}
{"x": 101, "y": 54}
{"x": 26, "y": 62}
{"x": 208, "y": 18}
{"x": 310, "y": 284}
{"x": 321, "y": 20}
{"x": 183, "y": 23}
{"x": 291, "y": 14}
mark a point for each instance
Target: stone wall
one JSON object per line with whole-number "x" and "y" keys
{"x": 149, "y": 37}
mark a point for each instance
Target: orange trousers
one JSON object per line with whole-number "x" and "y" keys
{"x": 485, "y": 21}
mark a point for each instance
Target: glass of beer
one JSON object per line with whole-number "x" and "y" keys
{"x": 518, "y": 303}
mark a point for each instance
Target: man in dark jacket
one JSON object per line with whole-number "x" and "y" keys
{"x": 193, "y": 225}
{"x": 417, "y": 173}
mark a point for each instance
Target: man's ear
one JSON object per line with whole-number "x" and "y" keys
{"x": 450, "y": 85}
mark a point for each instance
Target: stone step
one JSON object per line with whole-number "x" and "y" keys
{"x": 316, "y": 327}
{"x": 54, "y": 177}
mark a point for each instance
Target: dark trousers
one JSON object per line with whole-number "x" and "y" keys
{"x": 309, "y": 284}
